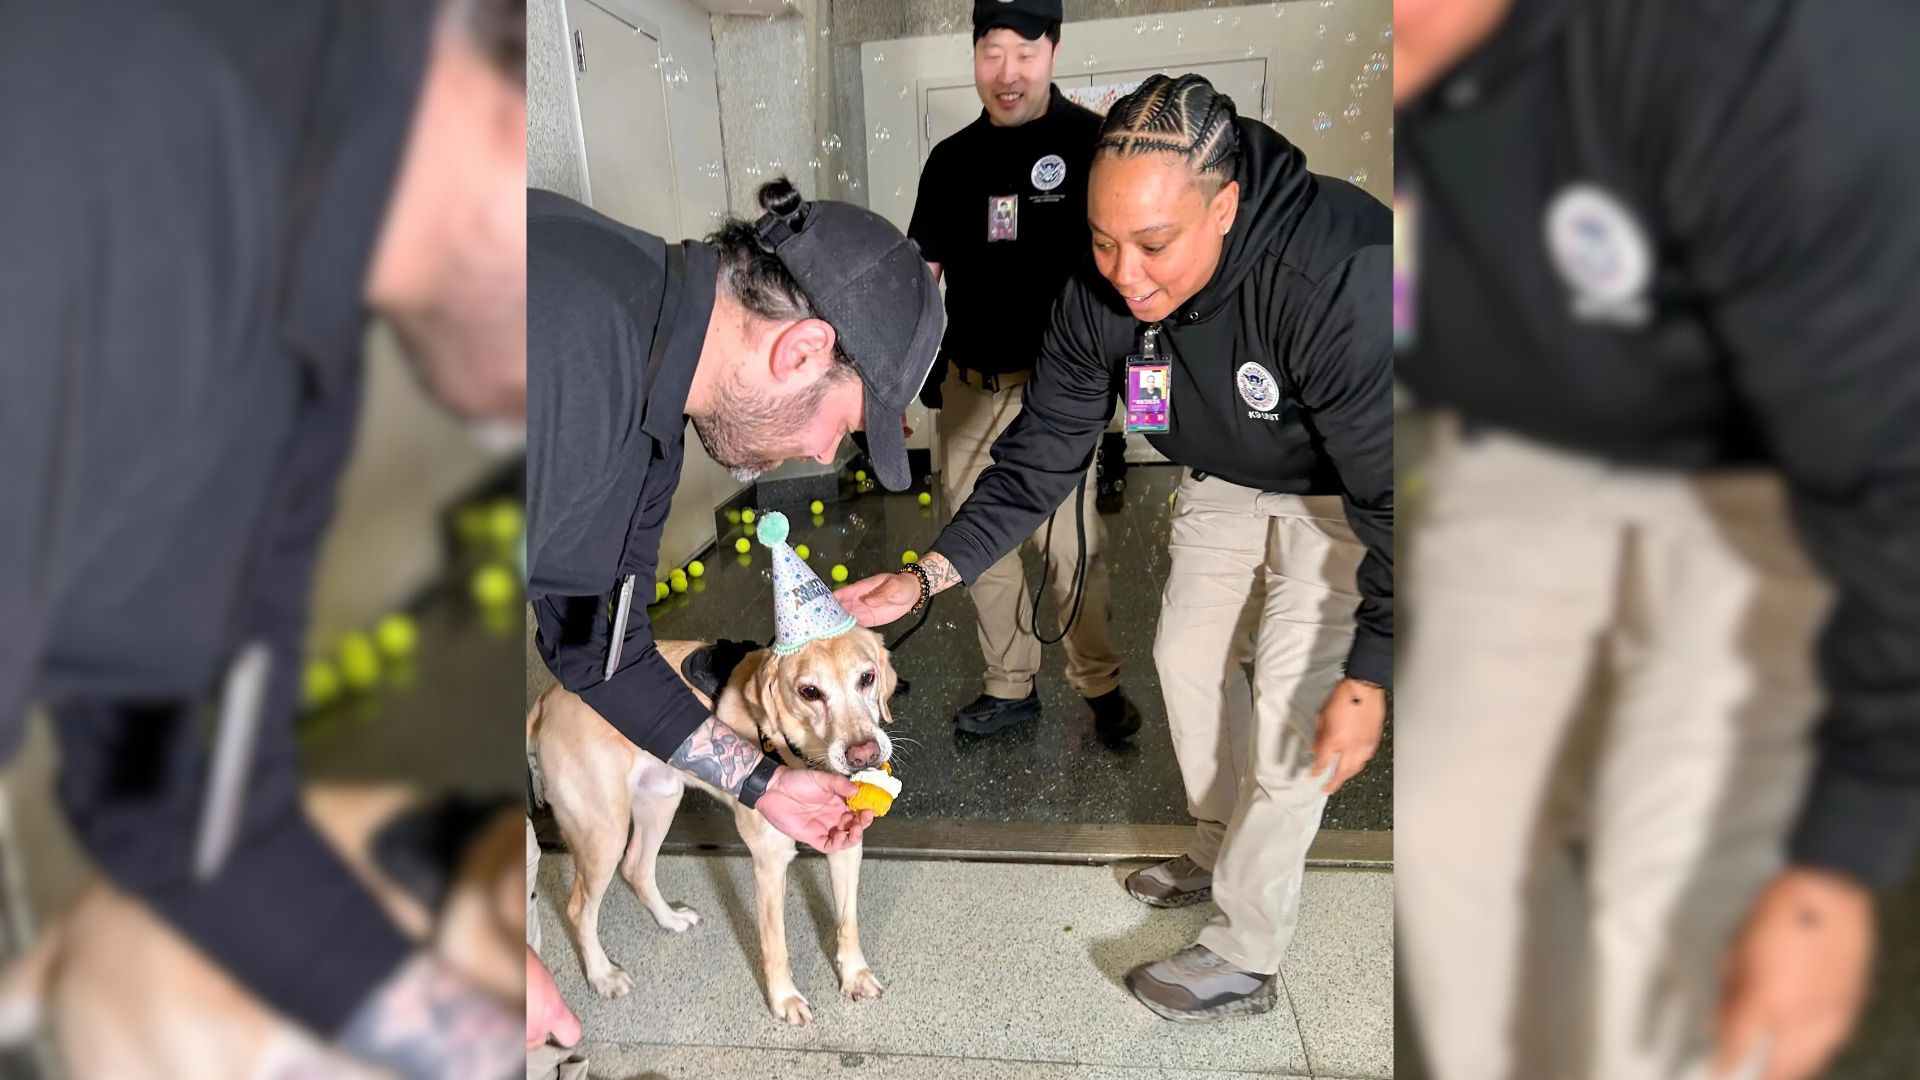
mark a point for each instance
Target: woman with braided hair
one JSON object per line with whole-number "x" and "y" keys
{"x": 1244, "y": 304}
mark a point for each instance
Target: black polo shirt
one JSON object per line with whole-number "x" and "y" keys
{"x": 1004, "y": 212}
{"x": 605, "y": 441}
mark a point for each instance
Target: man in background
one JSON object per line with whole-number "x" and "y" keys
{"x": 1002, "y": 216}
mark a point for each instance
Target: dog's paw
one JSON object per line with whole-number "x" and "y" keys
{"x": 862, "y": 984}
{"x": 612, "y": 983}
{"x": 791, "y": 1008}
{"x": 679, "y": 918}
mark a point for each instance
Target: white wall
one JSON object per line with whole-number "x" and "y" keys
{"x": 555, "y": 160}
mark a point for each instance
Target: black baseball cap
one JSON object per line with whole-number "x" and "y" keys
{"x": 872, "y": 286}
{"x": 1028, "y": 18}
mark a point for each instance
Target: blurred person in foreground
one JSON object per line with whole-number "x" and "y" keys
{"x": 1658, "y": 278}
{"x": 194, "y": 233}
{"x": 1243, "y": 301}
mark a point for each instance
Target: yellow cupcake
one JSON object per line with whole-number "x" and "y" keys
{"x": 877, "y": 791}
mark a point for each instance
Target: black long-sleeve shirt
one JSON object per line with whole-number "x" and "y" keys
{"x": 605, "y": 441}
{"x": 1677, "y": 233}
{"x": 1300, "y": 308}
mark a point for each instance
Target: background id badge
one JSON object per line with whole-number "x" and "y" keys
{"x": 1148, "y": 386}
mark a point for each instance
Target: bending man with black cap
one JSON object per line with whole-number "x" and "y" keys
{"x": 776, "y": 339}
{"x": 1002, "y": 214}
{"x": 1245, "y": 301}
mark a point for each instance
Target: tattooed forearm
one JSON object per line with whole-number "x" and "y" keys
{"x": 427, "y": 1023}
{"x": 941, "y": 575}
{"x": 715, "y": 754}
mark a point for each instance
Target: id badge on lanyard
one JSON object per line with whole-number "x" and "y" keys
{"x": 1149, "y": 386}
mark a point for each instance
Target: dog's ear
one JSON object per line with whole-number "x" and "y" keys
{"x": 759, "y": 689}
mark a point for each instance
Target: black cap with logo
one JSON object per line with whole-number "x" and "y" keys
{"x": 872, "y": 286}
{"x": 1028, "y": 18}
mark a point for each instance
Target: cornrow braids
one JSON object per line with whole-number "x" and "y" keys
{"x": 1185, "y": 116}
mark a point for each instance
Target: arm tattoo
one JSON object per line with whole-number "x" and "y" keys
{"x": 426, "y": 1023}
{"x": 715, "y": 754}
{"x": 940, "y": 573}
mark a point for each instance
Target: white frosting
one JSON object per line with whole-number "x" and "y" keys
{"x": 878, "y": 779}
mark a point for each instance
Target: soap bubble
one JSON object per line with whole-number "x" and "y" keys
{"x": 1352, "y": 37}
{"x": 842, "y": 176}
{"x": 881, "y": 134}
{"x": 1322, "y": 31}
{"x": 760, "y": 104}
{"x": 1140, "y": 27}
{"x": 902, "y": 94}
{"x": 1319, "y": 66}
{"x": 1366, "y": 136}
{"x": 879, "y": 58}
{"x": 1358, "y": 176}
{"x": 1089, "y": 61}
{"x": 1321, "y": 122}
{"x": 814, "y": 164}
{"x": 1352, "y": 111}
{"x": 830, "y": 143}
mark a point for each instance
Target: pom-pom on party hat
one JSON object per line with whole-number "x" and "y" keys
{"x": 803, "y": 607}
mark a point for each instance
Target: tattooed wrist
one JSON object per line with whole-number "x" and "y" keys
{"x": 940, "y": 573}
{"x": 427, "y": 1023}
{"x": 715, "y": 754}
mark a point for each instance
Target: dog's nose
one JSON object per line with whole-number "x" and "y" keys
{"x": 863, "y": 755}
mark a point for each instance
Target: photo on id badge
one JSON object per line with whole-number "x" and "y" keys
{"x": 1003, "y": 218}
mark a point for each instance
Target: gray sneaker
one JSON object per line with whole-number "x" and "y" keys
{"x": 1195, "y": 985}
{"x": 1174, "y": 883}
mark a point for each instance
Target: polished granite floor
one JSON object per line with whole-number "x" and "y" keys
{"x": 1050, "y": 770}
{"x": 993, "y": 971}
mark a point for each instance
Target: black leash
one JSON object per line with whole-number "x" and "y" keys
{"x": 1079, "y": 570}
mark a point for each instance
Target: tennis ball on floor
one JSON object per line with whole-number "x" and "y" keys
{"x": 803, "y": 551}
{"x": 493, "y": 585}
{"x": 359, "y": 663}
{"x": 733, "y": 517}
{"x": 696, "y": 568}
{"x": 817, "y": 506}
{"x": 859, "y": 476}
{"x": 677, "y": 581}
{"x": 839, "y": 572}
{"x": 397, "y": 635}
{"x": 322, "y": 684}
{"x": 909, "y": 556}
{"x": 660, "y": 591}
{"x": 746, "y": 516}
{"x": 743, "y": 545}
{"x": 926, "y": 499}
{"x": 505, "y": 522}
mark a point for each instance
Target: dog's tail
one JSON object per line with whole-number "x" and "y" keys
{"x": 25, "y": 984}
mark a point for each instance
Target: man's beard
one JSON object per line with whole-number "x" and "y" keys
{"x": 754, "y": 432}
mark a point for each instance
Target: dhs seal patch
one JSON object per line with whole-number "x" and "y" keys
{"x": 1602, "y": 254}
{"x": 1258, "y": 388}
{"x": 1049, "y": 172}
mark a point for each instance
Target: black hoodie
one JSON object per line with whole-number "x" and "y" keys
{"x": 1302, "y": 297}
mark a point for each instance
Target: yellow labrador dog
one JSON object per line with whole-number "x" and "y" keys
{"x": 123, "y": 995}
{"x": 823, "y": 707}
